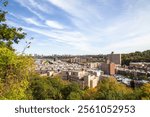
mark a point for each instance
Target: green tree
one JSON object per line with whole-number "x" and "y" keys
{"x": 136, "y": 57}
{"x": 74, "y": 96}
{"x": 43, "y": 88}
{"x": 135, "y": 95}
{"x": 110, "y": 89}
{"x": 141, "y": 93}
{"x": 15, "y": 72}
{"x": 72, "y": 91}
{"x": 89, "y": 94}
{"x": 145, "y": 91}
{"x": 8, "y": 35}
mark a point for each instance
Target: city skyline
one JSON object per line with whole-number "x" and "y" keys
{"x": 82, "y": 27}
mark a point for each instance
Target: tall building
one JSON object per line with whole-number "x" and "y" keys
{"x": 114, "y": 58}
{"x": 108, "y": 68}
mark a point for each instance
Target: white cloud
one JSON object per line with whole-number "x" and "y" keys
{"x": 72, "y": 38}
{"x": 96, "y": 28}
{"x": 78, "y": 8}
{"x": 139, "y": 43}
{"x": 61, "y": 36}
{"x": 54, "y": 24}
{"x": 33, "y": 21}
{"x": 83, "y": 14}
{"x": 42, "y": 6}
{"x": 28, "y": 20}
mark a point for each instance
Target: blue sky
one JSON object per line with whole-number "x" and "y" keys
{"x": 82, "y": 26}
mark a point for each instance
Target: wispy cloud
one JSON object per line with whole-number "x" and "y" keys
{"x": 54, "y": 24}
{"x": 91, "y": 26}
{"x": 136, "y": 43}
{"x": 81, "y": 13}
{"x": 33, "y": 21}
{"x": 28, "y": 20}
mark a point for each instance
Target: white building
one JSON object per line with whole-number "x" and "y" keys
{"x": 83, "y": 78}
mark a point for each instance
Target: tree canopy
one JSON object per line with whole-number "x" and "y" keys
{"x": 15, "y": 71}
{"x": 8, "y": 35}
{"x": 136, "y": 57}
{"x": 110, "y": 89}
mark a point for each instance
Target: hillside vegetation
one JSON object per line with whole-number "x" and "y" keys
{"x": 136, "y": 57}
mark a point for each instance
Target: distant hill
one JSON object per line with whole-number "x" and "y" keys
{"x": 136, "y": 57}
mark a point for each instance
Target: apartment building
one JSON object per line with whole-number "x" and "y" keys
{"x": 114, "y": 58}
{"x": 108, "y": 68}
{"x": 91, "y": 81}
{"x": 93, "y": 64}
{"x": 83, "y": 78}
{"x": 78, "y": 60}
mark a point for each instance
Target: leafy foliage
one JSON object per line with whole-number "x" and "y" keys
{"x": 89, "y": 94}
{"x": 15, "y": 71}
{"x": 44, "y": 88}
{"x": 136, "y": 57}
{"x": 8, "y": 35}
{"x": 110, "y": 89}
{"x": 145, "y": 89}
{"x": 72, "y": 92}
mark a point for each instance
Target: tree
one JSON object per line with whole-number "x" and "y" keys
{"x": 15, "y": 72}
{"x": 110, "y": 89}
{"x": 145, "y": 89}
{"x": 89, "y": 94}
{"x": 141, "y": 93}
{"x": 74, "y": 96}
{"x": 43, "y": 88}
{"x": 8, "y": 35}
{"x": 72, "y": 92}
{"x": 135, "y": 95}
{"x": 136, "y": 57}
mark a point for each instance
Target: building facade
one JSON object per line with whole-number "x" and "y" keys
{"x": 83, "y": 78}
{"x": 108, "y": 68}
{"x": 115, "y": 58}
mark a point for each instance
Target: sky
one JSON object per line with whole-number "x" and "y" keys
{"x": 82, "y": 26}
